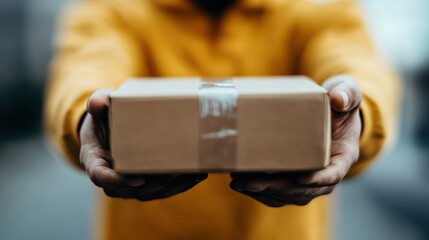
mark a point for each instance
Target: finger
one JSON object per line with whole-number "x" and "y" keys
{"x": 88, "y": 135}
{"x": 286, "y": 200}
{"x": 262, "y": 183}
{"x": 98, "y": 103}
{"x": 271, "y": 202}
{"x": 237, "y": 185}
{"x": 119, "y": 192}
{"x": 277, "y": 190}
{"x": 99, "y": 170}
{"x": 270, "y": 184}
{"x": 266, "y": 184}
{"x": 344, "y": 92}
{"x": 239, "y": 180}
{"x": 153, "y": 184}
{"x": 98, "y": 109}
{"x": 101, "y": 174}
{"x": 178, "y": 185}
{"x": 287, "y": 176}
{"x": 329, "y": 176}
{"x": 301, "y": 195}
{"x": 281, "y": 187}
{"x": 268, "y": 201}
{"x": 249, "y": 175}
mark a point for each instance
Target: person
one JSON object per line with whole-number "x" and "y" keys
{"x": 104, "y": 42}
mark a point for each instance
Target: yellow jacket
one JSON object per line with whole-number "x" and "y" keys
{"x": 104, "y": 42}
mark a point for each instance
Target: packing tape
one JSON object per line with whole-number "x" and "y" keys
{"x": 218, "y": 132}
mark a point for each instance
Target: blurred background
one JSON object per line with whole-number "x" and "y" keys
{"x": 42, "y": 197}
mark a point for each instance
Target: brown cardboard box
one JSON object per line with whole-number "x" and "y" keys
{"x": 172, "y": 125}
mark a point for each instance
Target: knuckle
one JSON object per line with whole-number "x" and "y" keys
{"x": 101, "y": 177}
{"x": 82, "y": 158}
{"x": 83, "y": 154}
{"x": 93, "y": 176}
{"x": 91, "y": 173}
{"x": 91, "y": 151}
{"x": 329, "y": 190}
{"x": 97, "y": 177}
{"x": 336, "y": 178}
{"x": 325, "y": 191}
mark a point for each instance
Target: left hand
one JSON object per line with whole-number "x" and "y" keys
{"x": 279, "y": 189}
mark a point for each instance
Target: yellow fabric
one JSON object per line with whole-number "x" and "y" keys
{"x": 103, "y": 42}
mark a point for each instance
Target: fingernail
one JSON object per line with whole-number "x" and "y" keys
{"x": 345, "y": 99}
{"x": 136, "y": 182}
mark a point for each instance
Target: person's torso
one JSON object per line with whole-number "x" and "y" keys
{"x": 255, "y": 40}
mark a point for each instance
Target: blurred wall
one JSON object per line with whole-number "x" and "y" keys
{"x": 389, "y": 201}
{"x": 25, "y": 48}
{"x": 13, "y": 74}
{"x": 400, "y": 30}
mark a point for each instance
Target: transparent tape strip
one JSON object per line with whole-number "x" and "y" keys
{"x": 218, "y": 132}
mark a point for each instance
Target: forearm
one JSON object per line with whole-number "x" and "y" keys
{"x": 93, "y": 52}
{"x": 341, "y": 46}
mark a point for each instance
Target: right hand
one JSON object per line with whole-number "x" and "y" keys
{"x": 95, "y": 157}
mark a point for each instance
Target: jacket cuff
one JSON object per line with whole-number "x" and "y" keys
{"x": 372, "y": 136}
{"x": 70, "y": 136}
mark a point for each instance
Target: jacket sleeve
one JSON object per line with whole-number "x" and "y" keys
{"x": 331, "y": 40}
{"x": 93, "y": 50}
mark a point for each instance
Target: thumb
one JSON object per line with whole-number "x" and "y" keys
{"x": 344, "y": 92}
{"x": 98, "y": 104}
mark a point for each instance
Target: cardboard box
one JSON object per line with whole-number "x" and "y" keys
{"x": 174, "y": 125}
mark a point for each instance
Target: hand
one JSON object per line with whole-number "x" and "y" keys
{"x": 95, "y": 157}
{"x": 279, "y": 189}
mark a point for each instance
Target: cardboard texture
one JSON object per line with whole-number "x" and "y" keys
{"x": 170, "y": 125}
